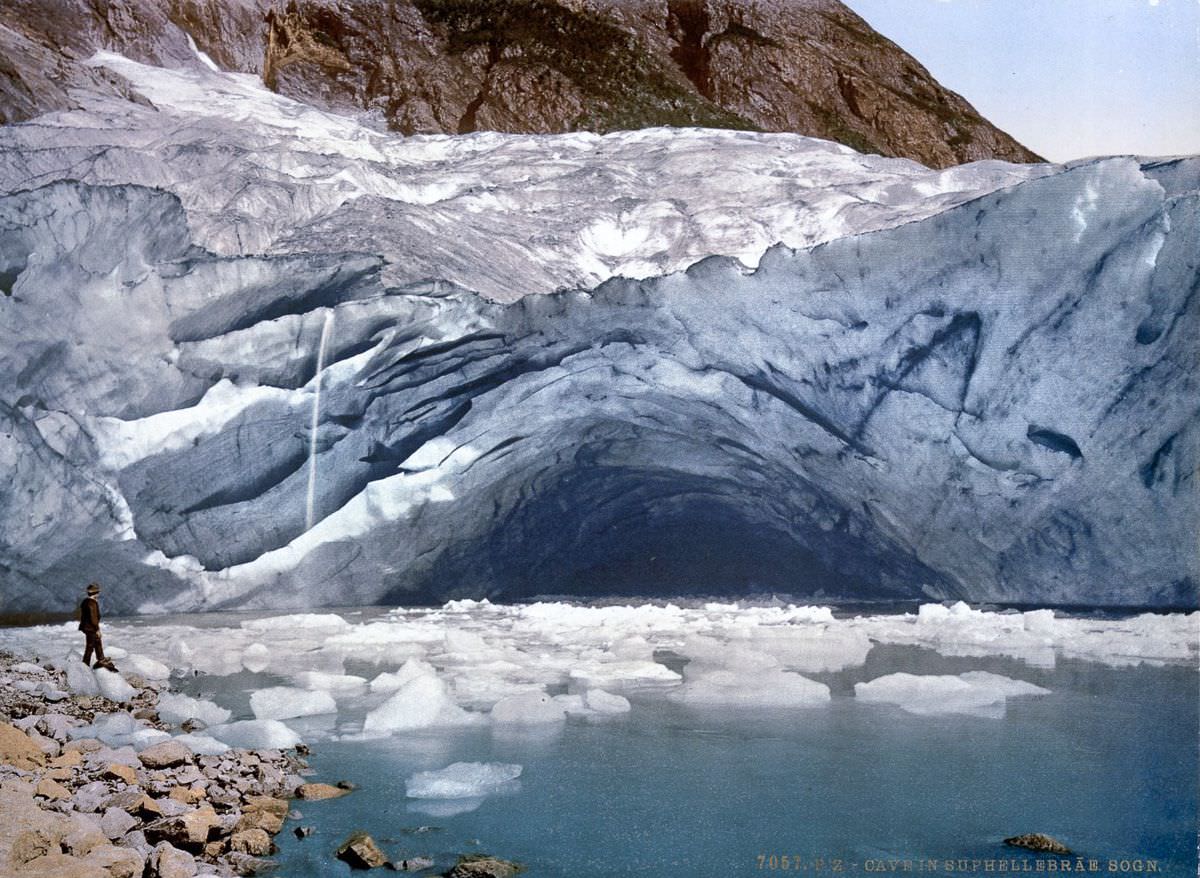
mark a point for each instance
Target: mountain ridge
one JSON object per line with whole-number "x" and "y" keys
{"x": 531, "y": 66}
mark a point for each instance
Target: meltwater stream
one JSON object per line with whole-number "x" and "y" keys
{"x": 749, "y": 737}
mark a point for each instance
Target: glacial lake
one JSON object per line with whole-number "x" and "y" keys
{"x": 1082, "y": 726}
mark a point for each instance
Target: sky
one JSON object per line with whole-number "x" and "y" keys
{"x": 1067, "y": 78}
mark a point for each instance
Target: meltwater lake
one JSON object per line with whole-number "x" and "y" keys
{"x": 730, "y": 739}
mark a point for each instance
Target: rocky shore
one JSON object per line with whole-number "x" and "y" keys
{"x": 95, "y": 786}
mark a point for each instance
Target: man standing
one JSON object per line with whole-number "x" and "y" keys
{"x": 89, "y": 624}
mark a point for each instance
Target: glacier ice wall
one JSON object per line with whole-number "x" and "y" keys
{"x": 996, "y": 401}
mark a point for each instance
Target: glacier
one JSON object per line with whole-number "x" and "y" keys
{"x": 682, "y": 362}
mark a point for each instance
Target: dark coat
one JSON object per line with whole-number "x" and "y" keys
{"x": 89, "y": 616}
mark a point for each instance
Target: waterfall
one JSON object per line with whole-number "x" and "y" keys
{"x": 326, "y": 334}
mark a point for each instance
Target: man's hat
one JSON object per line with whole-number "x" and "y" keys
{"x": 93, "y": 588}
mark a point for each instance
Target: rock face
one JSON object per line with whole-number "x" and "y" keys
{"x": 425, "y": 66}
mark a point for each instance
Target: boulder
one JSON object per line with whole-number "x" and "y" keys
{"x": 52, "y": 789}
{"x": 116, "y": 822}
{"x": 317, "y": 791}
{"x": 166, "y": 754}
{"x": 117, "y": 771}
{"x": 62, "y": 866}
{"x": 170, "y": 862}
{"x": 1036, "y": 841}
{"x": 83, "y": 835}
{"x": 361, "y": 852}
{"x": 118, "y": 862}
{"x": 69, "y": 759}
{"x": 483, "y": 866}
{"x": 189, "y": 830}
{"x": 18, "y": 749}
{"x": 251, "y": 841}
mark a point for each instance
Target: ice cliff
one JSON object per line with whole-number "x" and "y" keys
{"x": 226, "y": 316}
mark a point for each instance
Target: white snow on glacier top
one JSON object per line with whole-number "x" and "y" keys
{"x": 504, "y": 215}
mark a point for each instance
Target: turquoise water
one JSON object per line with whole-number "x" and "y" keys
{"x": 1107, "y": 763}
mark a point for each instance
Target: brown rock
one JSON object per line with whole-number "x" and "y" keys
{"x": 214, "y": 849}
{"x": 59, "y": 774}
{"x": 190, "y": 830}
{"x": 118, "y": 862}
{"x": 315, "y": 792}
{"x": 166, "y": 754}
{"x": 18, "y": 749}
{"x": 482, "y": 866}
{"x": 52, "y": 789}
{"x": 84, "y": 745}
{"x": 187, "y": 795}
{"x": 61, "y": 866}
{"x": 33, "y": 843}
{"x": 269, "y": 804}
{"x": 267, "y": 821}
{"x": 69, "y": 759}
{"x": 1035, "y": 841}
{"x": 116, "y": 771}
{"x": 361, "y": 852}
{"x": 251, "y": 841}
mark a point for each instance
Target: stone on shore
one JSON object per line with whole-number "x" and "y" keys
{"x": 61, "y": 866}
{"x": 170, "y": 862}
{"x": 116, "y": 822}
{"x": 165, "y": 754}
{"x": 251, "y": 841}
{"x": 18, "y": 749}
{"x": 117, "y": 771}
{"x": 190, "y": 830}
{"x": 315, "y": 792}
{"x": 118, "y": 862}
{"x": 52, "y": 789}
{"x": 361, "y": 852}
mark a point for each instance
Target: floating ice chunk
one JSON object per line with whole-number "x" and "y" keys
{"x": 972, "y": 692}
{"x": 463, "y": 780}
{"x": 202, "y": 745}
{"x": 113, "y": 686}
{"x": 255, "y": 734}
{"x": 338, "y": 684}
{"x": 176, "y": 707}
{"x": 306, "y": 622}
{"x": 81, "y": 679}
{"x": 528, "y": 708}
{"x": 605, "y": 702}
{"x": 766, "y": 687}
{"x": 443, "y": 808}
{"x": 623, "y": 676}
{"x": 812, "y": 648}
{"x": 145, "y": 667}
{"x": 1039, "y": 621}
{"x": 256, "y": 658}
{"x": 284, "y": 702}
{"x": 572, "y": 704}
{"x": 422, "y": 702}
{"x": 410, "y": 670}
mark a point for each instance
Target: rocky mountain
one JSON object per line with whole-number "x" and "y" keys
{"x": 454, "y": 66}
{"x": 250, "y": 366}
